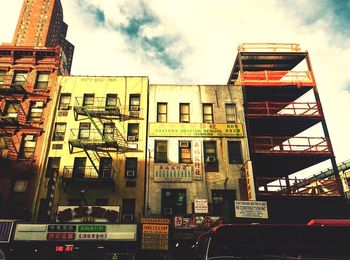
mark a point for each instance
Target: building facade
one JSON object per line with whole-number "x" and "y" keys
{"x": 28, "y": 91}
{"x": 40, "y": 24}
{"x": 196, "y": 150}
{"x": 97, "y": 149}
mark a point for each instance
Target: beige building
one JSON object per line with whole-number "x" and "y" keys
{"x": 196, "y": 149}
{"x": 97, "y": 151}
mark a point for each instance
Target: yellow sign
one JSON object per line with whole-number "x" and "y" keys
{"x": 155, "y": 220}
{"x": 193, "y": 130}
{"x": 248, "y": 169}
{"x": 155, "y": 236}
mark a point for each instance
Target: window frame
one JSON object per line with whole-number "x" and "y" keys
{"x": 234, "y": 114}
{"x": 160, "y": 113}
{"x": 134, "y": 102}
{"x": 64, "y": 105}
{"x": 28, "y": 149}
{"x": 58, "y": 133}
{"x": 210, "y": 166}
{"x": 39, "y": 83}
{"x": 189, "y": 151}
{"x": 31, "y": 111}
{"x": 211, "y": 114}
{"x": 131, "y": 165}
{"x": 88, "y": 99}
{"x": 133, "y": 131}
{"x": 157, "y": 157}
{"x": 234, "y": 151}
{"x": 184, "y": 105}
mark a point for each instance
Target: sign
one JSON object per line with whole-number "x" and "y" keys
{"x": 155, "y": 236}
{"x": 64, "y": 248}
{"x": 60, "y": 236}
{"x": 165, "y": 221}
{"x": 197, "y": 161}
{"x": 91, "y": 236}
{"x": 88, "y": 214}
{"x": 61, "y": 228}
{"x": 197, "y": 222}
{"x": 195, "y": 130}
{"x": 251, "y": 209}
{"x": 91, "y": 228}
{"x": 200, "y": 206}
{"x": 248, "y": 170}
{"x": 172, "y": 173}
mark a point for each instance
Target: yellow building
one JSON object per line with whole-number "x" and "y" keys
{"x": 97, "y": 151}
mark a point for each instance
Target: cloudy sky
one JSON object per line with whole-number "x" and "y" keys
{"x": 195, "y": 42}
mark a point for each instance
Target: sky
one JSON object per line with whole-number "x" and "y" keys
{"x": 195, "y": 42}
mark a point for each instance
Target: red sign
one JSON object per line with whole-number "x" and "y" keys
{"x": 60, "y": 236}
{"x": 87, "y": 213}
{"x": 65, "y": 248}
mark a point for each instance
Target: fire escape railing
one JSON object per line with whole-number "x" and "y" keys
{"x": 276, "y": 78}
{"x": 306, "y": 109}
{"x": 269, "y": 144}
{"x": 88, "y": 173}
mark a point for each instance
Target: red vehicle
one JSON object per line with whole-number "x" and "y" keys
{"x": 317, "y": 240}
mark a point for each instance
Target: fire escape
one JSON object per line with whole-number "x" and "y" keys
{"x": 281, "y": 101}
{"x": 100, "y": 142}
{"x": 17, "y": 103}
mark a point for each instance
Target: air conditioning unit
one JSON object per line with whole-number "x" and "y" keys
{"x": 130, "y": 173}
{"x": 184, "y": 144}
{"x": 64, "y": 106}
{"x": 134, "y": 108}
{"x": 131, "y": 138}
{"x": 210, "y": 159}
{"x": 134, "y": 114}
{"x": 39, "y": 104}
{"x": 128, "y": 217}
{"x": 168, "y": 211}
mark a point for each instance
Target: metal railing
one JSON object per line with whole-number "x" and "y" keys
{"x": 291, "y": 187}
{"x": 92, "y": 136}
{"x": 282, "y": 109}
{"x": 8, "y": 84}
{"x": 87, "y": 173}
{"x": 268, "y": 47}
{"x": 276, "y": 78}
{"x": 99, "y": 104}
{"x": 268, "y": 144}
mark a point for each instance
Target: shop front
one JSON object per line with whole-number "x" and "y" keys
{"x": 6, "y": 228}
{"x": 75, "y": 241}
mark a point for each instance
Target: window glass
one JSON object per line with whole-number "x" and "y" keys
{"x": 36, "y": 110}
{"x": 208, "y": 113}
{"x": 28, "y": 146}
{"x": 42, "y": 81}
{"x": 20, "y": 78}
{"x": 65, "y": 101}
{"x": 234, "y": 152}
{"x": 133, "y": 132}
{"x": 88, "y": 99}
{"x": 134, "y": 104}
{"x": 184, "y": 113}
{"x": 84, "y": 131}
{"x": 231, "y": 115}
{"x": 60, "y": 130}
{"x": 185, "y": 152}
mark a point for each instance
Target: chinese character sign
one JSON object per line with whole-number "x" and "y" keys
{"x": 197, "y": 161}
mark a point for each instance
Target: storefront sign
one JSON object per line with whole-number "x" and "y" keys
{"x": 88, "y": 214}
{"x": 91, "y": 236}
{"x": 197, "y": 161}
{"x": 197, "y": 222}
{"x": 200, "y": 206}
{"x": 60, "y": 236}
{"x": 172, "y": 173}
{"x": 248, "y": 170}
{"x": 251, "y": 209}
{"x": 64, "y": 248}
{"x": 155, "y": 236}
{"x": 61, "y": 228}
{"x": 165, "y": 221}
{"x": 195, "y": 130}
{"x": 91, "y": 228}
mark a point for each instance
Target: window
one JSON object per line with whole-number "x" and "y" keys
{"x": 111, "y": 101}
{"x": 105, "y": 170}
{"x": 52, "y": 166}
{"x": 35, "y": 111}
{"x": 64, "y": 101}
{"x": 134, "y": 104}
{"x": 20, "y": 78}
{"x": 185, "y": 152}
{"x": 108, "y": 131}
{"x": 60, "y": 130}
{"x": 11, "y": 109}
{"x": 84, "y": 131}
{"x": 128, "y": 210}
{"x": 208, "y": 113}
{"x": 133, "y": 132}
{"x": 210, "y": 157}
{"x": 231, "y": 114}
{"x": 234, "y": 152}
{"x": 79, "y": 167}
{"x": 18, "y": 192}
{"x": 42, "y": 81}
{"x": 2, "y": 76}
{"x": 160, "y": 152}
{"x": 173, "y": 201}
{"x": 88, "y": 99}
{"x": 223, "y": 201}
{"x": 131, "y": 167}
{"x": 28, "y": 146}
{"x": 162, "y": 112}
{"x": 184, "y": 112}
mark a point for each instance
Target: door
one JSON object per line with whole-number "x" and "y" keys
{"x": 79, "y": 167}
{"x": 223, "y": 203}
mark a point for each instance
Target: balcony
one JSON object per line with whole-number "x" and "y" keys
{"x": 269, "y": 47}
{"x": 100, "y": 107}
{"x": 9, "y": 86}
{"x": 93, "y": 139}
{"x": 88, "y": 174}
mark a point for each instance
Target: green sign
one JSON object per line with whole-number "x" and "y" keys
{"x": 91, "y": 229}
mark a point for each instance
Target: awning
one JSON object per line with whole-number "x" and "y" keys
{"x": 5, "y": 231}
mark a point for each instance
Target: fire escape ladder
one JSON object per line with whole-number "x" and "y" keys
{"x": 97, "y": 127}
{"x": 122, "y": 143}
{"x": 12, "y": 150}
{"x": 94, "y": 159}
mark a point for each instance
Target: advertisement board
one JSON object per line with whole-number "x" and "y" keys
{"x": 155, "y": 236}
{"x": 251, "y": 209}
{"x": 172, "y": 173}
